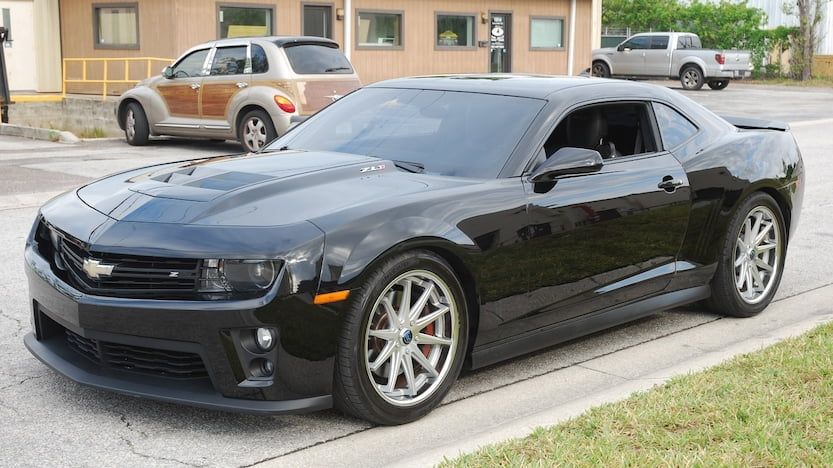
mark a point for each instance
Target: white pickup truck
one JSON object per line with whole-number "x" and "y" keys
{"x": 672, "y": 55}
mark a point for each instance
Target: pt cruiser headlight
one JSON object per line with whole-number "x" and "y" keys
{"x": 246, "y": 276}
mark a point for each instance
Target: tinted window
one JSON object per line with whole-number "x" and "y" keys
{"x": 450, "y": 133}
{"x": 659, "y": 42}
{"x": 191, "y": 64}
{"x": 688, "y": 42}
{"x": 229, "y": 61}
{"x": 311, "y": 59}
{"x": 259, "y": 62}
{"x": 674, "y": 128}
{"x": 639, "y": 42}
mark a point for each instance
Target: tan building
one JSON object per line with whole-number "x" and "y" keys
{"x": 384, "y": 38}
{"x": 33, "y": 53}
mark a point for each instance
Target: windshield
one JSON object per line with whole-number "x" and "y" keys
{"x": 449, "y": 133}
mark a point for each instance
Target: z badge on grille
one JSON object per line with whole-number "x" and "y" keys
{"x": 95, "y": 269}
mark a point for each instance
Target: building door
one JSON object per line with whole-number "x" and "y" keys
{"x": 18, "y": 18}
{"x": 318, "y": 21}
{"x": 500, "y": 43}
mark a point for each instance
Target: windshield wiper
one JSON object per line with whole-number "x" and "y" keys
{"x": 409, "y": 166}
{"x": 330, "y": 70}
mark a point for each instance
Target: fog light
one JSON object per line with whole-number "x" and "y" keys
{"x": 260, "y": 368}
{"x": 265, "y": 338}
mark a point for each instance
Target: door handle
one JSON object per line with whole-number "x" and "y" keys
{"x": 195, "y": 86}
{"x": 241, "y": 84}
{"x": 669, "y": 184}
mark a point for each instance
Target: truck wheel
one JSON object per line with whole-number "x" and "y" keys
{"x": 718, "y": 85}
{"x": 600, "y": 69}
{"x": 691, "y": 78}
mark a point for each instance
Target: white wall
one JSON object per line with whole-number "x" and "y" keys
{"x": 20, "y": 57}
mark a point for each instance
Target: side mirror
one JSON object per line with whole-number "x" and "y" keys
{"x": 294, "y": 121}
{"x": 621, "y": 47}
{"x": 567, "y": 161}
{"x": 168, "y": 72}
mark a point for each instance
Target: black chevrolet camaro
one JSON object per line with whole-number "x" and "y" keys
{"x": 411, "y": 229}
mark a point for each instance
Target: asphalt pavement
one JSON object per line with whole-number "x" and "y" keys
{"x": 48, "y": 420}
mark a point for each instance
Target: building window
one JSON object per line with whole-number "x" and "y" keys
{"x": 546, "y": 33}
{"x": 455, "y": 30}
{"x": 317, "y": 21}
{"x": 116, "y": 26}
{"x": 244, "y": 21}
{"x": 379, "y": 29}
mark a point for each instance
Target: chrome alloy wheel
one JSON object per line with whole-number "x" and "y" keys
{"x": 411, "y": 338}
{"x": 691, "y": 78}
{"x": 757, "y": 254}
{"x": 130, "y": 124}
{"x": 254, "y": 134}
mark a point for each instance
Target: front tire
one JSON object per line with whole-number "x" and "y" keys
{"x": 403, "y": 341}
{"x": 600, "y": 69}
{"x": 718, "y": 85}
{"x": 691, "y": 78}
{"x": 136, "y": 129}
{"x": 752, "y": 259}
{"x": 256, "y": 130}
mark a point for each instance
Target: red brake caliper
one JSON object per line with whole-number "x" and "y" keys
{"x": 429, "y": 330}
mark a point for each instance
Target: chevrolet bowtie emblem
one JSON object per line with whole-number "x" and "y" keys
{"x": 95, "y": 269}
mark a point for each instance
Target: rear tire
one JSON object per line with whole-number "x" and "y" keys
{"x": 256, "y": 130}
{"x": 136, "y": 129}
{"x": 737, "y": 290}
{"x": 395, "y": 364}
{"x": 600, "y": 69}
{"x": 718, "y": 85}
{"x": 691, "y": 78}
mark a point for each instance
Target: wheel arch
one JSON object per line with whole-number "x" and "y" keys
{"x": 238, "y": 119}
{"x": 692, "y": 63}
{"x": 603, "y": 60}
{"x": 122, "y": 110}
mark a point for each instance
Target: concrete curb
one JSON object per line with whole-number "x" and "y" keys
{"x": 35, "y": 133}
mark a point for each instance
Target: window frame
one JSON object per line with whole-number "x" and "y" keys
{"x": 683, "y": 114}
{"x": 332, "y": 8}
{"x": 563, "y": 36}
{"x": 256, "y": 6}
{"x": 359, "y": 46}
{"x": 471, "y": 15}
{"x": 247, "y": 61}
{"x": 250, "y": 61}
{"x": 667, "y": 41}
{"x": 96, "y": 23}
{"x": 635, "y": 38}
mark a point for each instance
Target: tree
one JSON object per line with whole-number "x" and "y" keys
{"x": 810, "y": 14}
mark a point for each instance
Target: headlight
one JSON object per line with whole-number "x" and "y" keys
{"x": 237, "y": 275}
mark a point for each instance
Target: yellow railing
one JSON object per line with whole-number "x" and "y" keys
{"x": 107, "y": 77}
{"x": 823, "y": 66}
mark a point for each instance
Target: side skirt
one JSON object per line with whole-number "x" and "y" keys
{"x": 584, "y": 325}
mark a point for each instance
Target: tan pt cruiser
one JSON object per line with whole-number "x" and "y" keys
{"x": 246, "y": 89}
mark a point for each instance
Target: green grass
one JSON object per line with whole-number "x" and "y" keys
{"x": 92, "y": 133}
{"x": 769, "y": 408}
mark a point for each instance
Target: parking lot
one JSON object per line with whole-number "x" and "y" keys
{"x": 46, "y": 419}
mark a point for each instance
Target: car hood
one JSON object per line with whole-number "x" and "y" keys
{"x": 267, "y": 189}
{"x": 603, "y": 50}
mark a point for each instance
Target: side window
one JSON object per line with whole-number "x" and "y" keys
{"x": 638, "y": 42}
{"x": 659, "y": 42}
{"x": 614, "y": 130}
{"x": 229, "y": 61}
{"x": 191, "y": 64}
{"x": 259, "y": 62}
{"x": 673, "y": 127}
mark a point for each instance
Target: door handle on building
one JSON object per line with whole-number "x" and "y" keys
{"x": 195, "y": 86}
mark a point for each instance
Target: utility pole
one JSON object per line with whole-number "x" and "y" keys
{"x": 5, "y": 97}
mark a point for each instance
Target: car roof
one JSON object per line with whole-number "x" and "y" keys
{"x": 665, "y": 33}
{"x": 530, "y": 86}
{"x": 280, "y": 41}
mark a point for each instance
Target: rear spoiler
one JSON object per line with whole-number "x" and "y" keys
{"x": 749, "y": 123}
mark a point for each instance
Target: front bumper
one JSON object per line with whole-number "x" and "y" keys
{"x": 302, "y": 379}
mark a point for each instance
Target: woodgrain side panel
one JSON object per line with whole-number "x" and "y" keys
{"x": 215, "y": 98}
{"x": 315, "y": 95}
{"x": 182, "y": 101}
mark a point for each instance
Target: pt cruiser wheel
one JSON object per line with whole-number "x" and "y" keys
{"x": 256, "y": 130}
{"x": 403, "y": 343}
{"x": 753, "y": 259}
{"x": 136, "y": 130}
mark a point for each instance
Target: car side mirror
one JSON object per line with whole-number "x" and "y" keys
{"x": 295, "y": 120}
{"x": 567, "y": 161}
{"x": 621, "y": 47}
{"x": 168, "y": 72}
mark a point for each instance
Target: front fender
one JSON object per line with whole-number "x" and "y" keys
{"x": 347, "y": 257}
{"x": 152, "y": 103}
{"x": 603, "y": 58}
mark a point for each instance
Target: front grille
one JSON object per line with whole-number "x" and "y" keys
{"x": 175, "y": 364}
{"x": 131, "y": 276}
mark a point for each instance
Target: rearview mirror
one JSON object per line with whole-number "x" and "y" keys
{"x": 567, "y": 161}
{"x": 168, "y": 72}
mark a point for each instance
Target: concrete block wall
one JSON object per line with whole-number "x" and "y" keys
{"x": 82, "y": 116}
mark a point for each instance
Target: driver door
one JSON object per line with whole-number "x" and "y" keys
{"x": 182, "y": 92}
{"x": 630, "y": 56}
